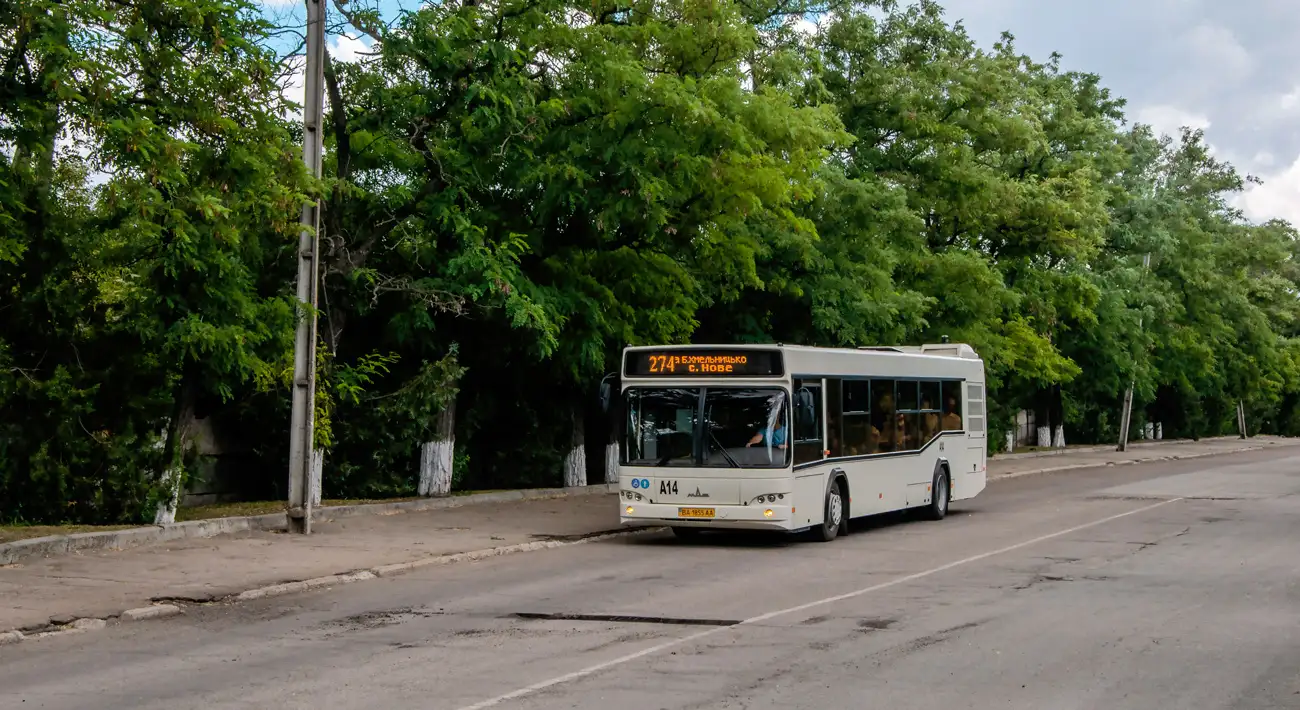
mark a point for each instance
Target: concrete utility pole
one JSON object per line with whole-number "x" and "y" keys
{"x": 301, "y": 457}
{"x": 1126, "y": 417}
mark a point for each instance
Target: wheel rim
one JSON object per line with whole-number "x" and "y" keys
{"x": 836, "y": 508}
{"x": 943, "y": 493}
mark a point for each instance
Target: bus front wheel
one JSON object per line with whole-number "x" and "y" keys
{"x": 833, "y": 518}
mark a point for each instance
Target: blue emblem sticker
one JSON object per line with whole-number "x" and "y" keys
{"x": 636, "y": 483}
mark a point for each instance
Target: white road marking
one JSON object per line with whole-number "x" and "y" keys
{"x": 589, "y": 670}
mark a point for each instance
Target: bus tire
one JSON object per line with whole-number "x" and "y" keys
{"x": 941, "y": 489}
{"x": 833, "y": 516}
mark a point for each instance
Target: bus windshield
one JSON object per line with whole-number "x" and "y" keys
{"x": 719, "y": 427}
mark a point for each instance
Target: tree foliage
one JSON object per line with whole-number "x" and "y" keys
{"x": 514, "y": 190}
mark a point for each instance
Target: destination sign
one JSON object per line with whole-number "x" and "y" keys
{"x": 704, "y": 363}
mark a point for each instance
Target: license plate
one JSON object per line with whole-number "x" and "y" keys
{"x": 695, "y": 512}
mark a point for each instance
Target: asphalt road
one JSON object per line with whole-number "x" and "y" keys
{"x": 1173, "y": 585}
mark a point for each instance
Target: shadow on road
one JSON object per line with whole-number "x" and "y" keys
{"x": 759, "y": 539}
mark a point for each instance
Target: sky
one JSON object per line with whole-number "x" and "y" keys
{"x": 1229, "y": 67}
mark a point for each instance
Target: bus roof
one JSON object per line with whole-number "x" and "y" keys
{"x": 768, "y": 361}
{"x": 959, "y": 350}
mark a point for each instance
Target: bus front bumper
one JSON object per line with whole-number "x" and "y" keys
{"x": 741, "y": 517}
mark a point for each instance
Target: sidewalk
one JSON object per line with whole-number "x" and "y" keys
{"x": 102, "y": 584}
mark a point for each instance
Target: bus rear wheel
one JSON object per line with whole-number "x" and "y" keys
{"x": 833, "y": 518}
{"x": 938, "y": 507}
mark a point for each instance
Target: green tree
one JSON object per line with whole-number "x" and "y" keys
{"x": 144, "y": 290}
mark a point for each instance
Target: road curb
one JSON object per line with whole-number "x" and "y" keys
{"x": 161, "y": 611}
{"x": 1129, "y": 462}
{"x": 1140, "y": 444}
{"x": 157, "y": 611}
{"x": 305, "y": 585}
{"x": 54, "y": 545}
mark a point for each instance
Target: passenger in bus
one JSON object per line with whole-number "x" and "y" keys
{"x": 951, "y": 419}
{"x": 887, "y": 438}
{"x": 778, "y": 435}
{"x": 902, "y": 440}
{"x": 929, "y": 423}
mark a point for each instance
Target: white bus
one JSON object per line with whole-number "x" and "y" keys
{"x": 793, "y": 438}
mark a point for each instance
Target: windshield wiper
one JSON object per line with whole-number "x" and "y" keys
{"x": 723, "y": 449}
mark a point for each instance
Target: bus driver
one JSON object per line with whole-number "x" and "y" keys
{"x": 778, "y": 435}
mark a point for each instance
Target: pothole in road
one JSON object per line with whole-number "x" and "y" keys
{"x": 624, "y": 619}
{"x": 876, "y": 624}
{"x": 380, "y": 619}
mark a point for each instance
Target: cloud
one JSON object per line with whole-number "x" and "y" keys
{"x": 1170, "y": 120}
{"x": 1277, "y": 198}
{"x": 349, "y": 49}
{"x": 1219, "y": 50}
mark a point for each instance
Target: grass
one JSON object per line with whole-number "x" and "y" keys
{"x": 13, "y": 533}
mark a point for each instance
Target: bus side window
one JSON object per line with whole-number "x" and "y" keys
{"x": 907, "y": 422}
{"x": 834, "y": 419}
{"x": 859, "y": 435}
{"x": 883, "y": 414}
{"x": 951, "y": 419}
{"x": 808, "y": 444}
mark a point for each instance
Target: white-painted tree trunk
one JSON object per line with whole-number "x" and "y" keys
{"x": 317, "y": 469}
{"x": 1011, "y": 441}
{"x": 575, "y": 462}
{"x": 1160, "y": 431}
{"x": 1045, "y": 437}
{"x": 1148, "y": 431}
{"x": 1058, "y": 440}
{"x": 611, "y": 463}
{"x": 575, "y": 467}
{"x": 438, "y": 457}
{"x": 174, "y": 436}
{"x": 171, "y": 485}
{"x": 165, "y": 513}
{"x": 436, "y": 461}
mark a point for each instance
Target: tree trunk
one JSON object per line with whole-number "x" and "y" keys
{"x": 611, "y": 463}
{"x": 1057, "y": 417}
{"x": 173, "y": 474}
{"x": 575, "y": 463}
{"x": 437, "y": 457}
{"x": 1043, "y": 418}
{"x": 1011, "y": 441}
{"x": 611, "y": 447}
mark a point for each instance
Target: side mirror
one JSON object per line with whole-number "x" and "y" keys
{"x": 607, "y": 393}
